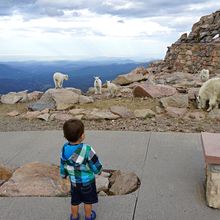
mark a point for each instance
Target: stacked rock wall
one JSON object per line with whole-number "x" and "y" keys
{"x": 198, "y": 50}
{"x": 193, "y": 57}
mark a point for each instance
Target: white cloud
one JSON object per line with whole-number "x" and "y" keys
{"x": 90, "y": 28}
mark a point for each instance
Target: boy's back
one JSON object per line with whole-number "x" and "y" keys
{"x": 80, "y": 162}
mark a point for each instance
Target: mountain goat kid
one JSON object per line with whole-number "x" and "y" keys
{"x": 210, "y": 91}
{"x": 58, "y": 79}
{"x": 97, "y": 85}
{"x": 112, "y": 88}
{"x": 204, "y": 75}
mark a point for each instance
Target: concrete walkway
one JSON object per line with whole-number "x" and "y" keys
{"x": 170, "y": 166}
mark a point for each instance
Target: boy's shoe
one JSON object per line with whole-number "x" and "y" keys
{"x": 93, "y": 216}
{"x": 71, "y": 217}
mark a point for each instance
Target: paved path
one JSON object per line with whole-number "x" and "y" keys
{"x": 170, "y": 166}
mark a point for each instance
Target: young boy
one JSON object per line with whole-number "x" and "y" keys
{"x": 80, "y": 162}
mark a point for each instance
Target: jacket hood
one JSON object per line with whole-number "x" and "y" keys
{"x": 74, "y": 154}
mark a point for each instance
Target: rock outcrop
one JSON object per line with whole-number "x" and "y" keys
{"x": 196, "y": 51}
{"x": 138, "y": 74}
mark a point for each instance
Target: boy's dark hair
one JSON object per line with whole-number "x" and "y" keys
{"x": 73, "y": 129}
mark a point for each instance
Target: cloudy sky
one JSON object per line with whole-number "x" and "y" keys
{"x": 85, "y": 29}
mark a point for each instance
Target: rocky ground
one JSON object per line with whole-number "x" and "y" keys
{"x": 161, "y": 122}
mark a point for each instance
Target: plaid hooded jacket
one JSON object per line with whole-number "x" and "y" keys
{"x": 80, "y": 163}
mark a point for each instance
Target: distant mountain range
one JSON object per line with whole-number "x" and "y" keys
{"x": 38, "y": 75}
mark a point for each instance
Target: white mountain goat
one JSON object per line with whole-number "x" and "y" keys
{"x": 58, "y": 79}
{"x": 209, "y": 92}
{"x": 97, "y": 85}
{"x": 112, "y": 88}
{"x": 204, "y": 75}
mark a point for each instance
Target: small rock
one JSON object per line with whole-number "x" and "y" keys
{"x": 102, "y": 183}
{"x": 77, "y": 111}
{"x": 44, "y": 116}
{"x": 144, "y": 113}
{"x": 101, "y": 193}
{"x": 122, "y": 111}
{"x": 61, "y": 116}
{"x": 31, "y": 115}
{"x": 13, "y": 113}
{"x": 178, "y": 101}
{"x": 176, "y": 112}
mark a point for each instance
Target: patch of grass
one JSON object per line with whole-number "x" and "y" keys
{"x": 132, "y": 104}
{"x": 5, "y": 108}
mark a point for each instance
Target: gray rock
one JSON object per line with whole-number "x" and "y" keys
{"x": 13, "y": 97}
{"x": 96, "y": 114}
{"x": 39, "y": 106}
{"x": 77, "y": 111}
{"x": 85, "y": 99}
{"x": 102, "y": 183}
{"x": 122, "y": 111}
{"x": 123, "y": 183}
{"x": 178, "y": 101}
{"x": 64, "y": 98}
{"x": 13, "y": 113}
{"x": 61, "y": 116}
{"x": 144, "y": 113}
{"x": 44, "y": 117}
{"x": 59, "y": 99}
{"x": 176, "y": 112}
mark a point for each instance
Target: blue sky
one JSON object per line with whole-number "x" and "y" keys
{"x": 85, "y": 29}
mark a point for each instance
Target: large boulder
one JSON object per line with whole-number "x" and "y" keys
{"x": 153, "y": 91}
{"x": 64, "y": 98}
{"x": 138, "y": 74}
{"x": 14, "y": 97}
{"x": 59, "y": 99}
{"x": 36, "y": 179}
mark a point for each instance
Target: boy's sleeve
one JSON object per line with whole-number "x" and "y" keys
{"x": 63, "y": 172}
{"x": 94, "y": 162}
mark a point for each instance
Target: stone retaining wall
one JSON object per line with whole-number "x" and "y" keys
{"x": 213, "y": 185}
{"x": 193, "y": 57}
